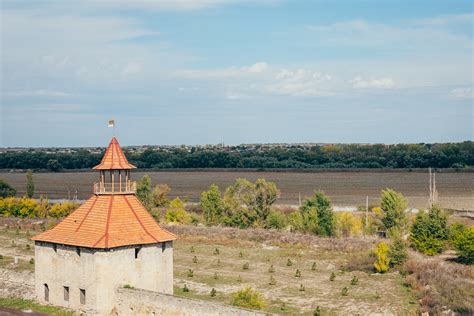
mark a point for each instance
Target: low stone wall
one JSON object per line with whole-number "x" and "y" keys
{"x": 141, "y": 302}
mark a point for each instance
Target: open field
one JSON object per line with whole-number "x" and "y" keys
{"x": 456, "y": 189}
{"x": 374, "y": 293}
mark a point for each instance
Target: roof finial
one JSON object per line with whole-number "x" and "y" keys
{"x": 112, "y": 124}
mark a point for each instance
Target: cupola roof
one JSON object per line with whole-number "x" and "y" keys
{"x": 114, "y": 158}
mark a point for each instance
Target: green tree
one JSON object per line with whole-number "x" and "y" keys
{"x": 276, "y": 220}
{"x": 212, "y": 205}
{"x": 176, "y": 213}
{"x": 318, "y": 216}
{"x": 393, "y": 205}
{"x": 160, "y": 195}
{"x": 144, "y": 191}
{"x": 464, "y": 244}
{"x": 429, "y": 232}
{"x": 30, "y": 186}
{"x": 397, "y": 252}
{"x": 54, "y": 165}
{"x": 6, "y": 190}
{"x": 266, "y": 193}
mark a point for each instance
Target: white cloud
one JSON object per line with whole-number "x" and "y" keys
{"x": 37, "y": 93}
{"x": 376, "y": 83}
{"x": 132, "y": 68}
{"x": 446, "y": 19}
{"x": 258, "y": 67}
{"x": 462, "y": 93}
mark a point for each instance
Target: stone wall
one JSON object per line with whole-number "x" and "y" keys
{"x": 142, "y": 302}
{"x": 98, "y": 273}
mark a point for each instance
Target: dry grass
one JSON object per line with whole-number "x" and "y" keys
{"x": 440, "y": 284}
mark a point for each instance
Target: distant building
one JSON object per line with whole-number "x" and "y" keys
{"x": 108, "y": 242}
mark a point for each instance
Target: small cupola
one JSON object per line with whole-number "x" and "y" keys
{"x": 114, "y": 172}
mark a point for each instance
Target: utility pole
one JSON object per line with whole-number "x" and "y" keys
{"x": 299, "y": 198}
{"x": 367, "y": 212}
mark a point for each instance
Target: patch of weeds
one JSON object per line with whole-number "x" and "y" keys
{"x": 190, "y": 273}
{"x": 185, "y": 289}
{"x": 355, "y": 280}
{"x": 317, "y": 311}
{"x": 128, "y": 286}
{"x": 271, "y": 269}
{"x": 22, "y": 304}
{"x": 344, "y": 291}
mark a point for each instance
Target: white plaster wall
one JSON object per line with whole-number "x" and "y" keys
{"x": 100, "y": 272}
{"x": 65, "y": 267}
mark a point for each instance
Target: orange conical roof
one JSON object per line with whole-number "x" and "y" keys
{"x": 114, "y": 158}
{"x": 107, "y": 221}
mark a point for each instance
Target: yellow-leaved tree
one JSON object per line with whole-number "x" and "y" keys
{"x": 382, "y": 262}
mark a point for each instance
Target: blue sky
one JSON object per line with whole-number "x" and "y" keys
{"x": 211, "y": 71}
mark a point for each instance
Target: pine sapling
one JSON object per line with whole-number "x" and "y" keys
{"x": 298, "y": 273}
{"x": 332, "y": 277}
{"x": 289, "y": 263}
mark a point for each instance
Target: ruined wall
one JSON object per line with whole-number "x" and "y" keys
{"x": 141, "y": 302}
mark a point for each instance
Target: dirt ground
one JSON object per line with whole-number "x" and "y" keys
{"x": 456, "y": 189}
{"x": 375, "y": 294}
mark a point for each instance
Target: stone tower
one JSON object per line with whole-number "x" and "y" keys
{"x": 108, "y": 242}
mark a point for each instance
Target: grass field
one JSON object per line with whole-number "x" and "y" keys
{"x": 456, "y": 189}
{"x": 374, "y": 293}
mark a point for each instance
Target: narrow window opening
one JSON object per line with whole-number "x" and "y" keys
{"x": 163, "y": 246}
{"x": 66, "y": 293}
{"x": 55, "y": 248}
{"x": 82, "y": 296}
{"x": 78, "y": 251}
{"x": 137, "y": 251}
{"x": 46, "y": 292}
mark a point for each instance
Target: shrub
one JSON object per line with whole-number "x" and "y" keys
{"x": 464, "y": 244}
{"x": 332, "y": 277}
{"x": 289, "y": 263}
{"x": 360, "y": 261}
{"x": 176, "y": 213}
{"x": 272, "y": 280}
{"x": 397, "y": 252}
{"x": 6, "y": 190}
{"x": 276, "y": 220}
{"x": 160, "y": 195}
{"x": 295, "y": 222}
{"x": 317, "y": 311}
{"x": 344, "y": 291}
{"x": 247, "y": 298}
{"x": 347, "y": 224}
{"x": 393, "y": 205}
{"x": 190, "y": 273}
{"x": 185, "y": 289}
{"x": 355, "y": 280}
{"x": 271, "y": 269}
{"x": 382, "y": 262}
{"x": 298, "y": 273}
{"x": 429, "y": 231}
{"x": 128, "y": 286}
{"x": 32, "y": 261}
{"x": 213, "y": 292}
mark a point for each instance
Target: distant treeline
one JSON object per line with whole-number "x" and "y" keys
{"x": 448, "y": 155}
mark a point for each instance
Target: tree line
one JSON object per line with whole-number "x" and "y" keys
{"x": 447, "y": 155}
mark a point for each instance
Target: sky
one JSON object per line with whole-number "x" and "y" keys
{"x": 235, "y": 71}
